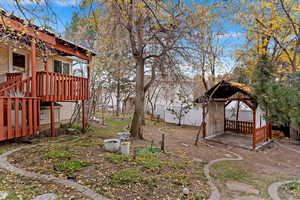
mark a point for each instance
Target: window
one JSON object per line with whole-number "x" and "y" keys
{"x": 61, "y": 67}
{"x": 66, "y": 68}
{"x": 19, "y": 60}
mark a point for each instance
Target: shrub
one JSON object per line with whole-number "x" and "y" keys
{"x": 70, "y": 166}
{"x": 57, "y": 154}
{"x": 117, "y": 158}
{"x": 149, "y": 161}
{"x": 127, "y": 176}
{"x": 180, "y": 179}
{"x": 293, "y": 188}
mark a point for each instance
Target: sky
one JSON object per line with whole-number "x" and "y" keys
{"x": 60, "y": 11}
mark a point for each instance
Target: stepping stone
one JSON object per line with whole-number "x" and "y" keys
{"x": 248, "y": 198}
{"x": 228, "y": 155}
{"x": 197, "y": 160}
{"x": 3, "y": 195}
{"x": 241, "y": 187}
{"x": 185, "y": 145}
{"x": 49, "y": 196}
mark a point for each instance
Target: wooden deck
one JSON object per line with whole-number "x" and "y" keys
{"x": 50, "y": 87}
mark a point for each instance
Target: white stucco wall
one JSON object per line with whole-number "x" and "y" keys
{"x": 66, "y": 110}
{"x": 45, "y": 115}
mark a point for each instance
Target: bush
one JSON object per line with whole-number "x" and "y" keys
{"x": 117, "y": 158}
{"x": 293, "y": 188}
{"x": 57, "y": 154}
{"x": 70, "y": 166}
{"x": 149, "y": 161}
{"x": 127, "y": 176}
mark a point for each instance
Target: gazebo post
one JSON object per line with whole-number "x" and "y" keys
{"x": 83, "y": 117}
{"x": 254, "y": 129}
{"x": 237, "y": 111}
{"x": 203, "y": 121}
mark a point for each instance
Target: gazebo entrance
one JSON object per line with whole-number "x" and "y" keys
{"x": 251, "y": 133}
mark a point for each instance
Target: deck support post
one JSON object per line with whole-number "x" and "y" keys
{"x": 53, "y": 133}
{"x": 33, "y": 67}
{"x": 83, "y": 117}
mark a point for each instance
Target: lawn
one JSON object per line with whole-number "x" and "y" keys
{"x": 240, "y": 171}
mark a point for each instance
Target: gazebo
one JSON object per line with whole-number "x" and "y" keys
{"x": 215, "y": 123}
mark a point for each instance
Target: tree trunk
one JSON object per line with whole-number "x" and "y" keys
{"x": 138, "y": 116}
{"x": 118, "y": 98}
{"x": 118, "y": 91}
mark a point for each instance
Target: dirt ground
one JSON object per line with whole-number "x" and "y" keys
{"x": 259, "y": 169}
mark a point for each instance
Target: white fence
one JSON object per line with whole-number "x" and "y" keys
{"x": 193, "y": 117}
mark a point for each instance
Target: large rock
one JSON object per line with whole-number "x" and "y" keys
{"x": 241, "y": 187}
{"x": 3, "y": 195}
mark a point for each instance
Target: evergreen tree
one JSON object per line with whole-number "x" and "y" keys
{"x": 278, "y": 97}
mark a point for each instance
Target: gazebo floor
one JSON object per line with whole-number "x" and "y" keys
{"x": 234, "y": 139}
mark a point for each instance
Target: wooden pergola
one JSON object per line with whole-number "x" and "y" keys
{"x": 219, "y": 97}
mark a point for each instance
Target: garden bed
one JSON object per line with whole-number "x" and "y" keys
{"x": 146, "y": 176}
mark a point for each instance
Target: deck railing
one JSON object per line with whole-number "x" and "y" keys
{"x": 59, "y": 87}
{"x": 239, "y": 126}
{"x": 18, "y": 89}
{"x": 14, "y": 76}
{"x": 19, "y": 117}
{"x": 11, "y": 78}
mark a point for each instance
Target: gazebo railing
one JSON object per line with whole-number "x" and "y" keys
{"x": 244, "y": 127}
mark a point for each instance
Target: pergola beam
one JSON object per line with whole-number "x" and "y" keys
{"x": 27, "y": 29}
{"x": 30, "y": 30}
{"x": 71, "y": 51}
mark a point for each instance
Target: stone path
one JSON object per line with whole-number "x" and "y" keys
{"x": 215, "y": 193}
{"x": 241, "y": 187}
{"x": 4, "y": 164}
{"x": 231, "y": 156}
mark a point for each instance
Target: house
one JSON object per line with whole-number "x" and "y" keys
{"x": 36, "y": 73}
